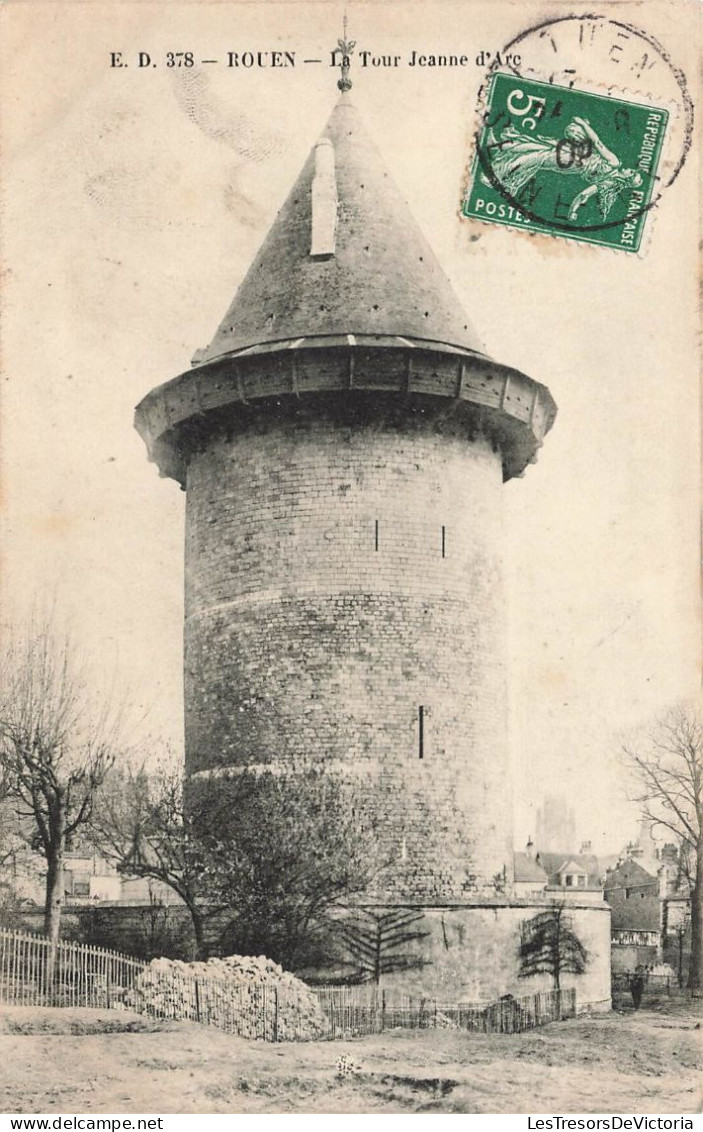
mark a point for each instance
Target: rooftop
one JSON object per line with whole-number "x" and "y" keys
{"x": 376, "y": 275}
{"x": 555, "y": 864}
{"x": 527, "y": 869}
{"x": 630, "y": 874}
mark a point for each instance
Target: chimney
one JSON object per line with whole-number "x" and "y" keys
{"x": 324, "y": 201}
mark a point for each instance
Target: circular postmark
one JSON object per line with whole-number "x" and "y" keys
{"x": 575, "y": 114}
{"x": 612, "y": 54}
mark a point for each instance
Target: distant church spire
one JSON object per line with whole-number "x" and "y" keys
{"x": 346, "y": 47}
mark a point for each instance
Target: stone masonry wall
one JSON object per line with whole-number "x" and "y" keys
{"x": 338, "y": 581}
{"x": 472, "y": 954}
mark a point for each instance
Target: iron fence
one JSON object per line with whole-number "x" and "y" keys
{"x": 356, "y": 1011}
{"x": 35, "y": 973}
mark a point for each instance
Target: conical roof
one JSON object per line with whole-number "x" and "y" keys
{"x": 381, "y": 279}
{"x": 350, "y": 300}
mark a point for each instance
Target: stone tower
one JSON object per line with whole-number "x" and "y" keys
{"x": 343, "y": 442}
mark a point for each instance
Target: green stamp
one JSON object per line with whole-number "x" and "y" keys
{"x": 565, "y": 161}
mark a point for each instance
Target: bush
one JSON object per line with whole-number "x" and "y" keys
{"x": 10, "y": 909}
{"x": 144, "y": 932}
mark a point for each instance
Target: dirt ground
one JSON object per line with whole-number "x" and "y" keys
{"x": 90, "y": 1061}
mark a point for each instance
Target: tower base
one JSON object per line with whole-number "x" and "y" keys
{"x": 471, "y": 953}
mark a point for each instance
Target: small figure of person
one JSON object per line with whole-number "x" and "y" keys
{"x": 637, "y": 988}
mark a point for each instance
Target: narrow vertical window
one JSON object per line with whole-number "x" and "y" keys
{"x": 375, "y": 537}
{"x": 444, "y": 542}
{"x": 421, "y": 732}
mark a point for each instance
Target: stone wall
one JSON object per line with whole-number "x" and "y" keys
{"x": 344, "y": 602}
{"x": 469, "y": 954}
{"x": 626, "y": 957}
{"x": 141, "y": 930}
{"x": 472, "y": 954}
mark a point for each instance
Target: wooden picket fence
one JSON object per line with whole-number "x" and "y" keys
{"x": 74, "y": 974}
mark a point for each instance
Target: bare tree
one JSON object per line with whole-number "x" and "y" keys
{"x": 144, "y": 822}
{"x": 13, "y": 849}
{"x": 56, "y": 746}
{"x": 666, "y": 764}
{"x": 264, "y": 854}
{"x": 302, "y": 841}
{"x": 16, "y": 856}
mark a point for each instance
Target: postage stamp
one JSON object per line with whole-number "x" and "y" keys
{"x": 574, "y": 163}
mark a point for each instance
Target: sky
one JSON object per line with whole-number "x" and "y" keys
{"x": 133, "y": 200}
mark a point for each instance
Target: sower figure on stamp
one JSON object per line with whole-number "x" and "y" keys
{"x": 609, "y": 183}
{"x": 580, "y": 152}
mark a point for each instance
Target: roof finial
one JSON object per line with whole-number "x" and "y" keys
{"x": 346, "y": 46}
